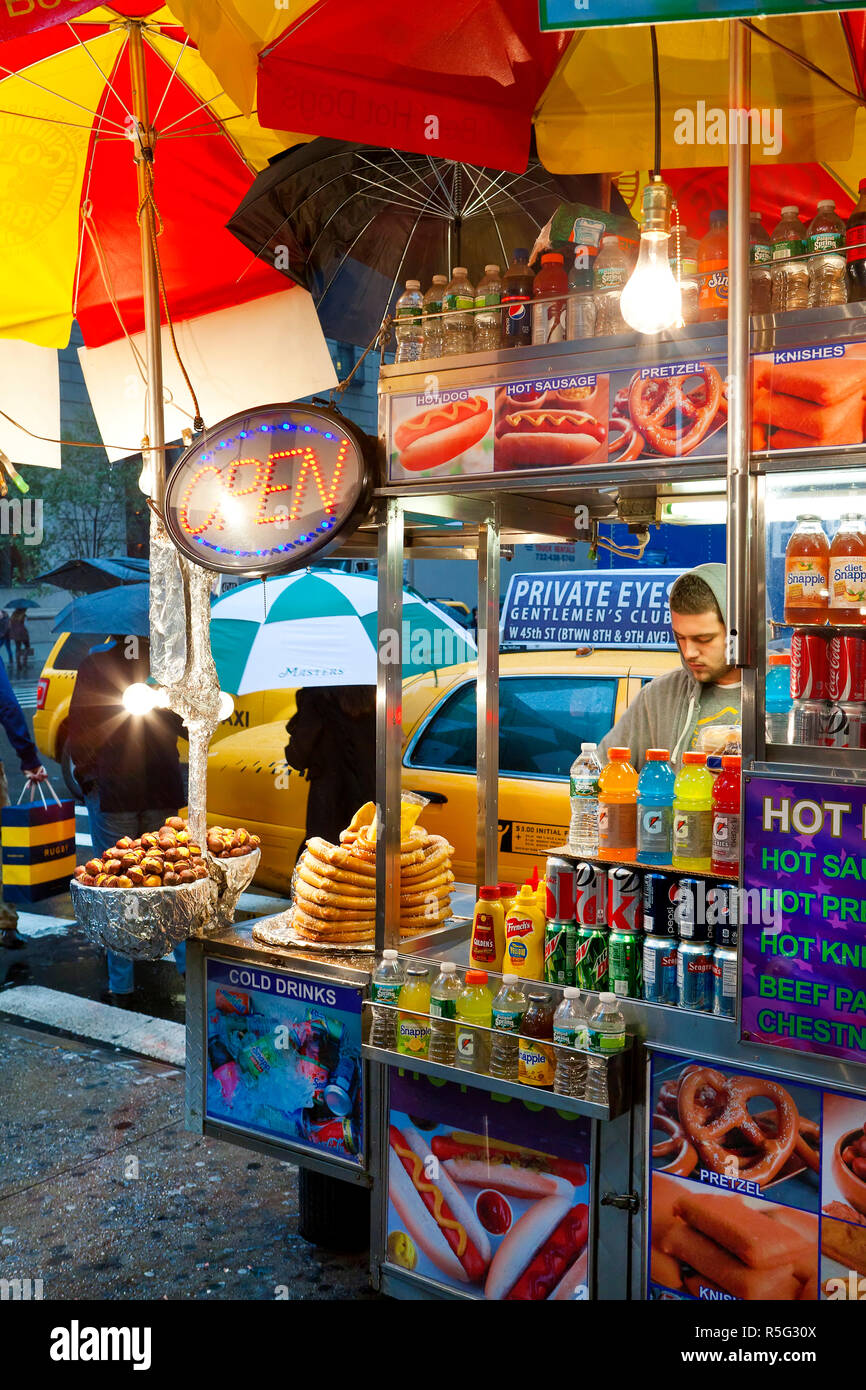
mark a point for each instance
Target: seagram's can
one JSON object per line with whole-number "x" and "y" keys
{"x": 725, "y": 981}
{"x": 591, "y": 959}
{"x": 660, "y": 970}
{"x": 695, "y": 976}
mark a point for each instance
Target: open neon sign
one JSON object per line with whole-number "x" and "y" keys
{"x": 265, "y": 491}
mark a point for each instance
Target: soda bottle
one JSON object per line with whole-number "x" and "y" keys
{"x": 693, "y": 814}
{"x": 525, "y": 928}
{"x": 516, "y": 301}
{"x": 458, "y": 304}
{"x": 413, "y": 1028}
{"x": 433, "y": 330}
{"x": 855, "y": 248}
{"x": 488, "y": 315}
{"x": 617, "y": 807}
{"x": 581, "y": 313}
{"x": 508, "y": 1009}
{"x": 443, "y": 1010}
{"x": 827, "y": 269}
{"x": 408, "y": 329}
{"x": 778, "y": 697}
{"x": 807, "y": 573}
{"x": 760, "y": 275}
{"x": 726, "y": 818}
{"x": 487, "y": 946}
{"x": 713, "y": 269}
{"x": 609, "y": 274}
{"x": 548, "y": 320}
{"x": 474, "y": 1006}
{"x": 655, "y": 808}
{"x": 385, "y": 986}
{"x": 605, "y": 1036}
{"x": 569, "y": 1031}
{"x": 790, "y": 277}
{"x": 536, "y": 1060}
{"x": 583, "y": 830}
{"x": 847, "y": 573}
{"x": 688, "y": 272}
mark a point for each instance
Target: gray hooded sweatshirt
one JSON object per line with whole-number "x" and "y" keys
{"x": 666, "y": 710}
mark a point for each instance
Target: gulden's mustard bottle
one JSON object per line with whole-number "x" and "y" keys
{"x": 488, "y": 932}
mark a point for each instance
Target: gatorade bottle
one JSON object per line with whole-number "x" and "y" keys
{"x": 474, "y": 1006}
{"x": 525, "y": 927}
{"x": 778, "y": 697}
{"x": 713, "y": 269}
{"x": 488, "y": 931}
{"x": 655, "y": 808}
{"x": 617, "y": 807}
{"x": 726, "y": 818}
{"x": 693, "y": 815}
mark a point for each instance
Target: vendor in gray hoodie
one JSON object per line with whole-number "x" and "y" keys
{"x": 673, "y": 710}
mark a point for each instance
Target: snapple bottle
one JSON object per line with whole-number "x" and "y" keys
{"x": 807, "y": 572}
{"x": 847, "y": 578}
{"x": 713, "y": 269}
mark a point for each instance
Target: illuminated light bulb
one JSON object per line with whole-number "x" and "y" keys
{"x": 226, "y": 706}
{"x": 139, "y": 698}
{"x": 651, "y": 300}
{"x": 146, "y": 477}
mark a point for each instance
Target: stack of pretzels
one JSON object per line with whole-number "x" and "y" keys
{"x": 334, "y": 886}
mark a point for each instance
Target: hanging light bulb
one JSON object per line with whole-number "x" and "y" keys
{"x": 651, "y": 299}
{"x": 145, "y": 477}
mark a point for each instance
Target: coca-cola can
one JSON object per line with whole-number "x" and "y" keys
{"x": 843, "y": 724}
{"x": 590, "y": 895}
{"x": 559, "y": 880}
{"x": 810, "y": 662}
{"x": 808, "y": 723}
{"x": 846, "y": 675}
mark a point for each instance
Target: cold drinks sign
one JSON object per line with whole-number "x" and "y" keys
{"x": 573, "y": 608}
{"x": 586, "y": 14}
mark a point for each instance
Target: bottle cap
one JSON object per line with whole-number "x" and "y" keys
{"x": 476, "y": 977}
{"x": 588, "y": 747}
{"x": 460, "y": 270}
{"x": 714, "y": 763}
{"x": 527, "y": 892}
{"x": 657, "y": 755}
{"x": 826, "y": 203}
{"x": 790, "y": 209}
{"x": 491, "y": 270}
{"x": 695, "y": 758}
{"x": 448, "y": 967}
{"x": 509, "y": 979}
{"x": 489, "y": 894}
{"x": 808, "y": 516}
{"x": 607, "y": 998}
{"x": 550, "y": 256}
{"x": 418, "y": 970}
{"x": 440, "y": 279}
{"x": 507, "y": 890}
{"x": 413, "y": 284}
{"x": 732, "y": 760}
{"x": 619, "y": 755}
{"x": 779, "y": 659}
{"x": 571, "y": 992}
{"x": 389, "y": 955}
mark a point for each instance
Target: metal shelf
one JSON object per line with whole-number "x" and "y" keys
{"x": 566, "y": 853}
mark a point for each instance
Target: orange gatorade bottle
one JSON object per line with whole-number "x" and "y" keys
{"x": 617, "y": 807}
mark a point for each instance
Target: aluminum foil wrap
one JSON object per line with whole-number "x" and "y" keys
{"x": 143, "y": 923}
{"x": 168, "y": 635}
{"x": 232, "y": 877}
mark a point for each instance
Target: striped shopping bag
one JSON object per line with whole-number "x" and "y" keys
{"x": 38, "y": 846}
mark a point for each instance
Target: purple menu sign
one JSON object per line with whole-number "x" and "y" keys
{"x": 803, "y": 917}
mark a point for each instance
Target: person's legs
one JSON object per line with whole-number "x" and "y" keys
{"x": 152, "y": 820}
{"x": 106, "y": 828}
{"x": 9, "y": 936}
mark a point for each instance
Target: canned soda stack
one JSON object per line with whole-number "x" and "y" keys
{"x": 828, "y": 688}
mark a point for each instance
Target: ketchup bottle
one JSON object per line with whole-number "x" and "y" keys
{"x": 726, "y": 817}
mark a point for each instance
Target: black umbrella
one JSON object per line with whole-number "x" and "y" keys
{"x": 92, "y": 573}
{"x": 352, "y": 222}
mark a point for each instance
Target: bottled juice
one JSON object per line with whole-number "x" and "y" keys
{"x": 536, "y": 1058}
{"x": 655, "y": 808}
{"x": 713, "y": 269}
{"x": 726, "y": 818}
{"x": 548, "y": 320}
{"x": 760, "y": 277}
{"x": 807, "y": 572}
{"x": 617, "y": 807}
{"x": 693, "y": 814}
{"x": 847, "y": 573}
{"x": 413, "y": 1020}
{"x": 474, "y": 1006}
{"x": 525, "y": 926}
{"x": 488, "y": 931}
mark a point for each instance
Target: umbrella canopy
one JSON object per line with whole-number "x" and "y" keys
{"x": 319, "y": 628}
{"x": 94, "y": 573}
{"x": 70, "y": 233}
{"x": 14, "y": 605}
{"x": 124, "y": 609}
{"x": 350, "y": 222}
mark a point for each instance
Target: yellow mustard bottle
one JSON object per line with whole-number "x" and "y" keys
{"x": 524, "y": 936}
{"x": 488, "y": 932}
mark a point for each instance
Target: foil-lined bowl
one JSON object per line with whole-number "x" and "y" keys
{"x": 232, "y": 877}
{"x": 144, "y": 923}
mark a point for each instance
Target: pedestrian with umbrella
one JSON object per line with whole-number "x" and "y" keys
{"x": 20, "y": 635}
{"x": 13, "y": 721}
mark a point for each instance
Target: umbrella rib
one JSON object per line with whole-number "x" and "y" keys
{"x": 104, "y": 75}
{"x": 392, "y": 185}
{"x": 10, "y": 72}
{"x": 171, "y": 78}
{"x": 804, "y": 62}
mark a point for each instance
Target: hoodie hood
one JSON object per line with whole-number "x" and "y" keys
{"x": 714, "y": 576}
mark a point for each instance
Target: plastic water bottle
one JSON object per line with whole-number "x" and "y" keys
{"x": 508, "y": 1009}
{"x": 388, "y": 979}
{"x": 605, "y": 1037}
{"x": 488, "y": 315}
{"x": 459, "y": 305}
{"x": 407, "y": 327}
{"x": 655, "y": 808}
{"x": 569, "y": 1031}
{"x": 778, "y": 696}
{"x": 433, "y": 341}
{"x": 443, "y": 1010}
{"x": 610, "y": 273}
{"x": 583, "y": 830}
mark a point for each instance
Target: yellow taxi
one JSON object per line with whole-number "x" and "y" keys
{"x": 57, "y": 682}
{"x": 549, "y": 703}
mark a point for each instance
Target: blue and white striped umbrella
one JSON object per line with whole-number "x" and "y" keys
{"x": 319, "y": 627}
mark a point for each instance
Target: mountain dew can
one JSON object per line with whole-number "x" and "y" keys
{"x": 590, "y": 959}
{"x": 626, "y": 964}
{"x": 556, "y": 953}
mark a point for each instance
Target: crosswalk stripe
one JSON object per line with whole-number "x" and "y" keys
{"x": 85, "y": 1018}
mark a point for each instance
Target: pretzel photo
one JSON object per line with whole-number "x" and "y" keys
{"x": 630, "y": 444}
{"x": 652, "y": 401}
{"x": 807, "y": 1145}
{"x": 714, "y": 1129}
{"x": 678, "y": 1148}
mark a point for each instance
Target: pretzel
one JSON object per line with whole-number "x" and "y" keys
{"x": 711, "y": 1130}
{"x": 331, "y": 913}
{"x": 652, "y": 401}
{"x": 330, "y": 883}
{"x": 436, "y": 859}
{"x": 630, "y": 444}
{"x": 334, "y": 873}
{"x": 807, "y": 1144}
{"x": 668, "y": 1100}
{"x": 682, "y": 1153}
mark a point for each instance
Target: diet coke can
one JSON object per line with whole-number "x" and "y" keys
{"x": 559, "y": 879}
{"x": 810, "y": 664}
{"x": 808, "y": 723}
{"x": 625, "y": 900}
{"x": 843, "y": 724}
{"x": 846, "y": 674}
{"x": 590, "y": 895}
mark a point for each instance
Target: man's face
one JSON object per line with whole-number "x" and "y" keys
{"x": 701, "y": 638}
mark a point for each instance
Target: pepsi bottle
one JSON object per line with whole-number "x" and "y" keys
{"x": 517, "y": 285}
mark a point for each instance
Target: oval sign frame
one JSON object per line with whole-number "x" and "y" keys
{"x": 220, "y": 451}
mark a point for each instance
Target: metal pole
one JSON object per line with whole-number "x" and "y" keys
{"x": 487, "y": 706}
{"x": 740, "y": 627}
{"x": 150, "y": 283}
{"x": 389, "y": 725}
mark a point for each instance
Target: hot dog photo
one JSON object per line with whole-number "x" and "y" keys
{"x": 484, "y": 1215}
{"x": 541, "y": 425}
{"x": 447, "y": 434}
